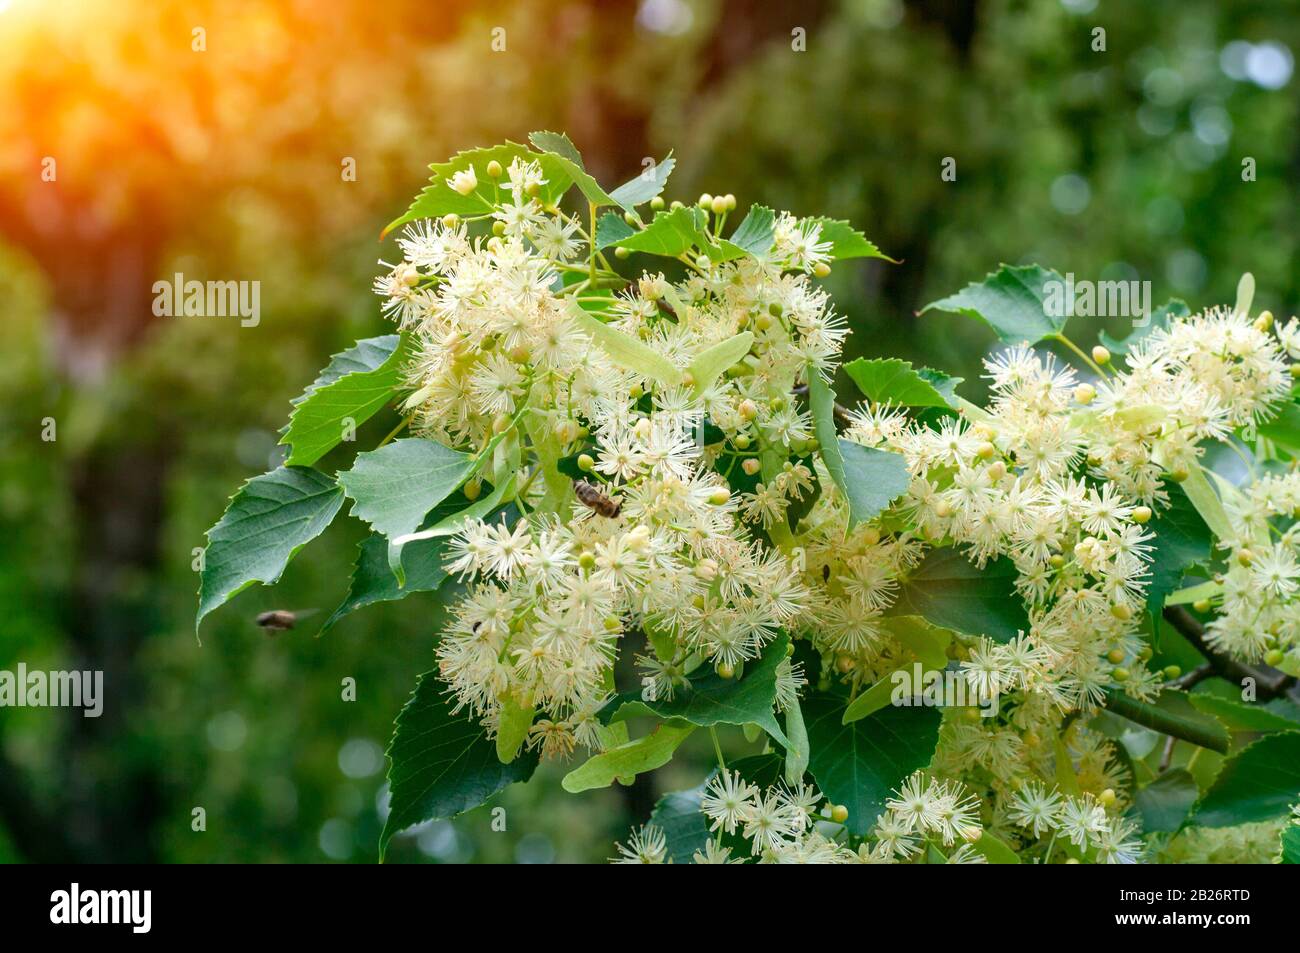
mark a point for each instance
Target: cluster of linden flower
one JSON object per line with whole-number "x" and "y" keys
{"x": 650, "y": 539}
{"x": 784, "y": 826}
{"x": 1058, "y": 476}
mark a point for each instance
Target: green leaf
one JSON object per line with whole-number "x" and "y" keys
{"x": 894, "y": 381}
{"x": 755, "y": 234}
{"x": 1014, "y": 301}
{"x": 673, "y": 233}
{"x": 995, "y": 850}
{"x": 684, "y": 826}
{"x": 563, "y": 151}
{"x": 1290, "y": 844}
{"x": 642, "y": 188}
{"x": 626, "y": 760}
{"x": 1182, "y": 540}
{"x": 394, "y": 487}
{"x": 1258, "y": 783}
{"x": 611, "y": 229}
{"x": 927, "y": 642}
{"x": 1207, "y": 502}
{"x": 797, "y": 753}
{"x": 269, "y": 519}
{"x": 439, "y": 198}
{"x": 441, "y": 764}
{"x": 512, "y": 729}
{"x": 710, "y": 699}
{"x": 354, "y": 385}
{"x": 953, "y": 593}
{"x": 1160, "y": 319}
{"x": 1238, "y": 716}
{"x": 1173, "y": 714}
{"x": 625, "y": 350}
{"x": 711, "y": 362}
{"x": 870, "y": 479}
{"x": 846, "y": 241}
{"x": 373, "y": 579}
{"x": 860, "y": 764}
{"x": 1166, "y": 801}
{"x": 1284, "y": 429}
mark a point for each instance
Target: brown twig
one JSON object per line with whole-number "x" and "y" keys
{"x": 1269, "y": 682}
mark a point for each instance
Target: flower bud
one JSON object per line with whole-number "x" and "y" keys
{"x": 500, "y": 423}
{"x": 1274, "y": 657}
{"x": 657, "y": 203}
{"x": 585, "y": 463}
{"x": 1245, "y": 557}
{"x": 750, "y": 465}
{"x": 839, "y": 813}
{"x": 705, "y": 201}
{"x": 821, "y": 269}
{"x": 1107, "y": 797}
{"x": 1142, "y": 514}
{"x": 586, "y": 559}
{"x": 465, "y": 181}
{"x": 706, "y": 570}
{"x": 1100, "y": 355}
{"x": 494, "y": 169}
{"x": 1085, "y": 394}
{"x": 726, "y": 670}
{"x": 719, "y": 204}
{"x": 621, "y": 253}
{"x": 719, "y": 496}
{"x": 1172, "y": 671}
{"x": 1121, "y": 611}
{"x": 450, "y": 220}
{"x": 1115, "y": 656}
{"x": 748, "y": 410}
{"x": 1202, "y": 605}
{"x": 473, "y": 488}
{"x": 1120, "y": 674}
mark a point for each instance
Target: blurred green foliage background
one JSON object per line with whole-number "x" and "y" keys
{"x": 225, "y": 163}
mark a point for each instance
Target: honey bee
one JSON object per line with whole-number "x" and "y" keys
{"x": 591, "y": 496}
{"x": 281, "y": 620}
